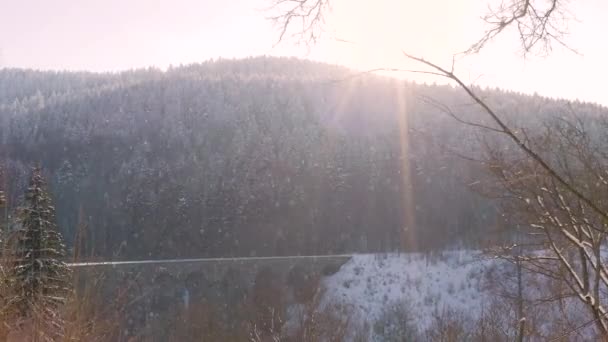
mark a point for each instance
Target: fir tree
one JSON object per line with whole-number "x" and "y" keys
{"x": 39, "y": 280}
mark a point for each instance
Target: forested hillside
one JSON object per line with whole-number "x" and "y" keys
{"x": 262, "y": 156}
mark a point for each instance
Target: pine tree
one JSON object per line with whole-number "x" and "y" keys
{"x": 39, "y": 280}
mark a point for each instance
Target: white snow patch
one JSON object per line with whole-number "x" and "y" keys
{"x": 368, "y": 283}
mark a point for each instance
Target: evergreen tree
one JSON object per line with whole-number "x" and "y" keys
{"x": 39, "y": 281}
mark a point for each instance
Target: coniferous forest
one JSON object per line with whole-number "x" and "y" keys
{"x": 256, "y": 157}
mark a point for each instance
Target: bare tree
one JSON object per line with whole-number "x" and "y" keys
{"x": 538, "y": 23}
{"x": 566, "y": 236}
{"x": 555, "y": 184}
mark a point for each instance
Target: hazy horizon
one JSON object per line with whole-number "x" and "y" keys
{"x": 111, "y": 35}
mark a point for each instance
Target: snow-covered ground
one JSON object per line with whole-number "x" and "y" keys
{"x": 461, "y": 282}
{"x": 368, "y": 283}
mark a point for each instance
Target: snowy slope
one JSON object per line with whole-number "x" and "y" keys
{"x": 459, "y": 283}
{"x": 369, "y": 283}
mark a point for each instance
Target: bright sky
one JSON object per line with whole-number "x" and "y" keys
{"x": 103, "y": 35}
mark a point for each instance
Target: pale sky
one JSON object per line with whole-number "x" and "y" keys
{"x": 111, "y": 35}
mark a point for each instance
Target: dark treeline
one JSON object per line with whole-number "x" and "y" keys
{"x": 262, "y": 156}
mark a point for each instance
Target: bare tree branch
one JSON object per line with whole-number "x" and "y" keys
{"x": 449, "y": 112}
{"x": 538, "y": 24}
{"x": 510, "y": 133}
{"x": 308, "y": 14}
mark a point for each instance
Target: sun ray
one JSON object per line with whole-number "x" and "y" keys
{"x": 408, "y": 230}
{"x": 343, "y": 101}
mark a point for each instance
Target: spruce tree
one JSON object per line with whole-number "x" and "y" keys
{"x": 39, "y": 280}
